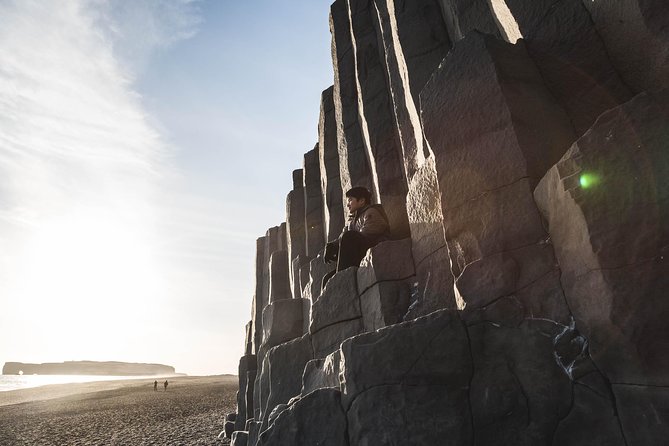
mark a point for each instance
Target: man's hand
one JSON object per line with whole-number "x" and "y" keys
{"x": 331, "y": 252}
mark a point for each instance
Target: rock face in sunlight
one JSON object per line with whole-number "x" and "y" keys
{"x": 87, "y": 368}
{"x": 522, "y": 298}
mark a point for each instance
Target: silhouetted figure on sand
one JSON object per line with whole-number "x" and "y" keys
{"x": 165, "y": 384}
{"x": 155, "y": 386}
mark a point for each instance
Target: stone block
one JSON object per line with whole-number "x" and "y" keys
{"x": 279, "y": 279}
{"x": 316, "y": 419}
{"x": 606, "y": 203}
{"x": 635, "y": 35}
{"x": 429, "y": 351}
{"x": 338, "y": 302}
{"x": 329, "y": 339}
{"x": 317, "y": 270}
{"x": 254, "y": 433}
{"x": 295, "y": 231}
{"x": 248, "y": 341}
{"x": 239, "y": 438}
{"x": 282, "y": 321}
{"x": 328, "y": 154}
{"x": 321, "y": 373}
{"x": 433, "y": 288}
{"x": 464, "y": 16}
{"x": 246, "y": 363}
{"x": 643, "y": 413}
{"x": 384, "y": 304}
{"x": 286, "y": 365}
{"x": 229, "y": 429}
{"x": 390, "y": 260}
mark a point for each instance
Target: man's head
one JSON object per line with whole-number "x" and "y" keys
{"x": 358, "y": 198}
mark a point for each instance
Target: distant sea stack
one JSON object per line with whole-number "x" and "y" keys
{"x": 87, "y": 368}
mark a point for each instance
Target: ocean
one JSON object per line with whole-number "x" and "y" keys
{"x": 16, "y": 382}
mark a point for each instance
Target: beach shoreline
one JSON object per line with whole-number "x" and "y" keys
{"x": 129, "y": 411}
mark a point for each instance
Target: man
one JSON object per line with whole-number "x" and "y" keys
{"x": 366, "y": 227}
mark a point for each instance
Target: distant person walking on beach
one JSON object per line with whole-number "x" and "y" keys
{"x": 165, "y": 384}
{"x": 155, "y": 386}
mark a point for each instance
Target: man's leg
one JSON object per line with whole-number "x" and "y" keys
{"x": 352, "y": 248}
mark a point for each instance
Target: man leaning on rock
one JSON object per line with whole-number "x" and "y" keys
{"x": 366, "y": 227}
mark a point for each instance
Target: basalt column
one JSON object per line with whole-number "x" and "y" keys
{"x": 495, "y": 131}
{"x": 414, "y": 41}
{"x": 328, "y": 154}
{"x": 463, "y": 16}
{"x": 353, "y": 159}
{"x": 295, "y": 232}
{"x": 313, "y": 203}
{"x": 377, "y": 123}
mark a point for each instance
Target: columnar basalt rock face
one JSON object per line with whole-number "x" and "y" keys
{"x": 571, "y": 57}
{"x": 353, "y": 159}
{"x": 636, "y": 36}
{"x": 488, "y": 161}
{"x": 525, "y": 304}
{"x": 377, "y": 123}
{"x": 333, "y": 207}
{"x": 606, "y": 203}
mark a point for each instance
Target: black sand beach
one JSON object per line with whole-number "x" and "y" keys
{"x": 129, "y": 412}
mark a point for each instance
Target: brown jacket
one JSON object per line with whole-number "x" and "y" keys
{"x": 370, "y": 221}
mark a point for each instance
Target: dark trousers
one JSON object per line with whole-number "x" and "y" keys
{"x": 352, "y": 249}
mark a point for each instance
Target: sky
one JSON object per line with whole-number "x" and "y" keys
{"x": 144, "y": 147}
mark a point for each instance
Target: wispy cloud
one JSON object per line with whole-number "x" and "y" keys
{"x": 80, "y": 163}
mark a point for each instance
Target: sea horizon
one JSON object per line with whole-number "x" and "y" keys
{"x": 18, "y": 382}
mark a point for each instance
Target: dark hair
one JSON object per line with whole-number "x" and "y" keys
{"x": 360, "y": 192}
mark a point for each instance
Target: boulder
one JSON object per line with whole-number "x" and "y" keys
{"x": 279, "y": 278}
{"x": 328, "y": 155}
{"x": 321, "y": 373}
{"x": 339, "y": 301}
{"x": 606, "y": 203}
{"x": 354, "y": 167}
{"x": 315, "y": 419}
{"x": 636, "y": 36}
{"x": 313, "y": 203}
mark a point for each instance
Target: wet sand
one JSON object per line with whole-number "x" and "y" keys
{"x": 127, "y": 412}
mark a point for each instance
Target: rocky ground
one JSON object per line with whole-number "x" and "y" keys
{"x": 191, "y": 412}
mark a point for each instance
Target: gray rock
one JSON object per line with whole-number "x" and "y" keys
{"x": 313, "y": 203}
{"x": 251, "y": 376}
{"x": 338, "y": 302}
{"x": 229, "y": 429}
{"x": 258, "y": 301}
{"x": 321, "y": 373}
{"x": 571, "y": 57}
{"x": 295, "y": 232}
{"x": 636, "y": 39}
{"x": 390, "y": 260}
{"x": 279, "y": 278}
{"x": 463, "y": 16}
{"x": 384, "y": 304}
{"x": 246, "y": 363}
{"x": 239, "y": 438}
{"x": 353, "y": 160}
{"x": 232, "y": 416}
{"x": 317, "y": 270}
{"x": 286, "y": 365}
{"x": 329, "y": 339}
{"x": 248, "y": 340}
{"x": 377, "y": 121}
{"x": 642, "y": 412}
{"x": 606, "y": 207}
{"x": 316, "y": 419}
{"x": 254, "y": 433}
{"x": 282, "y": 321}
{"x": 328, "y": 154}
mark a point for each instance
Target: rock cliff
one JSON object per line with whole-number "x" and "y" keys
{"x": 524, "y": 297}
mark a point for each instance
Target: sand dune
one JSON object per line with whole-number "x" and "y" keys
{"x": 125, "y": 412}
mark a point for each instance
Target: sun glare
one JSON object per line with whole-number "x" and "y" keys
{"x": 85, "y": 274}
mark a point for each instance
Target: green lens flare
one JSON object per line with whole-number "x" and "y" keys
{"x": 588, "y": 180}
